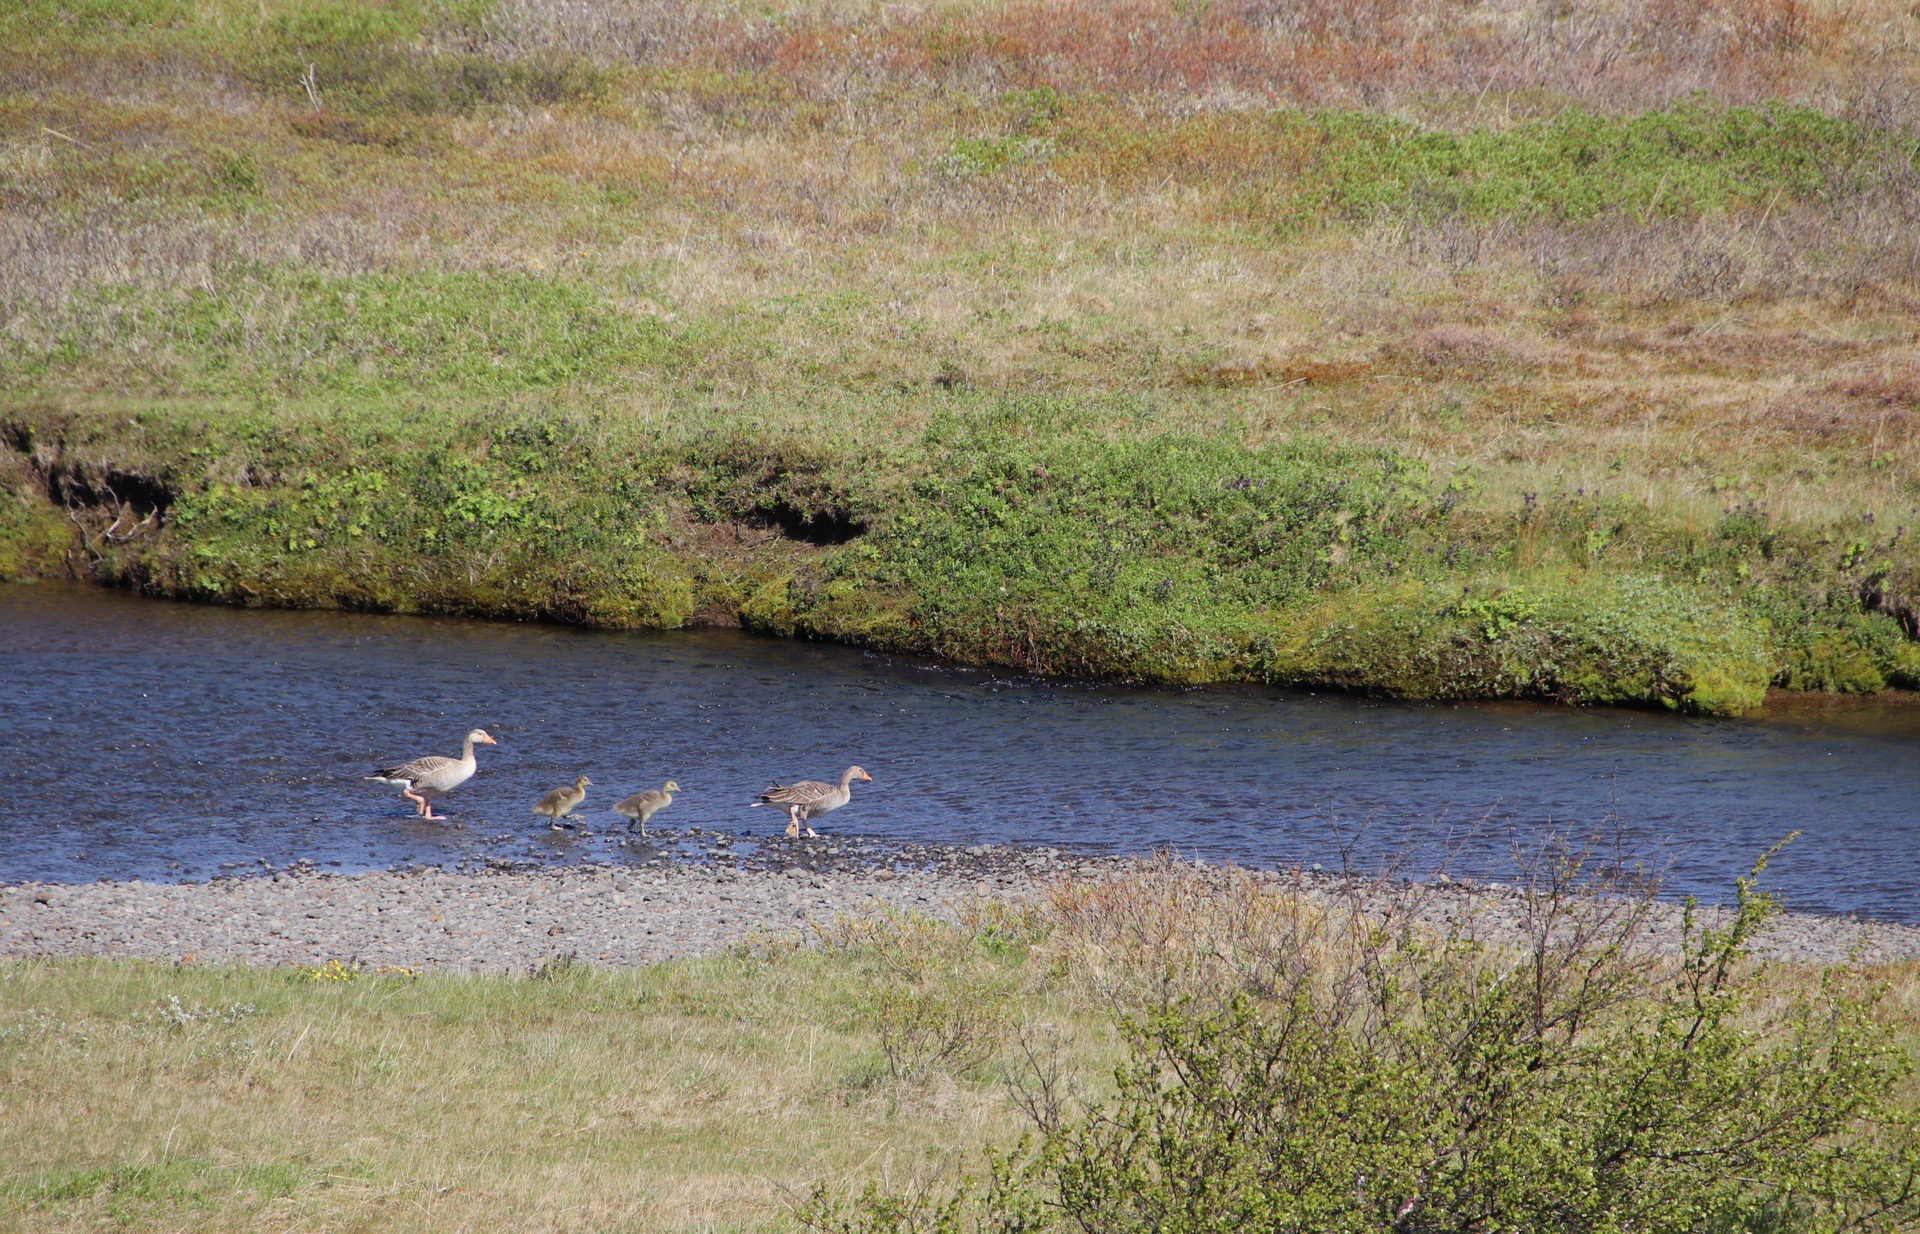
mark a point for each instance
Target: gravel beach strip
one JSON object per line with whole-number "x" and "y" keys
{"x": 512, "y": 919}
{"x": 509, "y": 919}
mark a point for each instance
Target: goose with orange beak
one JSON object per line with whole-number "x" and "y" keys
{"x": 423, "y": 779}
{"x": 809, "y": 799}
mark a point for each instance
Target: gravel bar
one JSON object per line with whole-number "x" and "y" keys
{"x": 511, "y": 919}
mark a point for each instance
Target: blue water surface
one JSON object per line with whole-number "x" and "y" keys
{"x": 167, "y": 741}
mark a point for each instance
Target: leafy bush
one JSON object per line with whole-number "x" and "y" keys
{"x": 1360, "y": 1073}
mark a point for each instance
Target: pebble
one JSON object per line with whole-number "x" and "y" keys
{"x": 508, "y": 919}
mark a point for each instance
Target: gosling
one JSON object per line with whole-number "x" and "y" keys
{"x": 560, "y": 803}
{"x": 642, "y": 806}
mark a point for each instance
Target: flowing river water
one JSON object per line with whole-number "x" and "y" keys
{"x": 171, "y": 742}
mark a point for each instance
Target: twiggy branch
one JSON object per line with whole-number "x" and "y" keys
{"x": 86, "y": 539}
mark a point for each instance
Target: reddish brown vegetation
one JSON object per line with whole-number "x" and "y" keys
{"x": 1371, "y": 53}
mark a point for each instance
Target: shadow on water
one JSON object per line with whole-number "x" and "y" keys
{"x": 172, "y": 741}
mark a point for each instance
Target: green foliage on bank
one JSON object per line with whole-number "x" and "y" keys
{"x": 1381, "y": 1079}
{"x": 1023, "y": 532}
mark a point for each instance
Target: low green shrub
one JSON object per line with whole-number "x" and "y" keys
{"x": 1369, "y": 1076}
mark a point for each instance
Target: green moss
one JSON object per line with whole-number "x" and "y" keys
{"x": 34, "y": 538}
{"x": 1028, "y": 533}
{"x": 1848, "y": 653}
{"x": 1036, "y": 543}
{"x": 1084, "y": 553}
{"x": 1578, "y": 637}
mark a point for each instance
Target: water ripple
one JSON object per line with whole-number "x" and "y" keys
{"x": 171, "y": 741}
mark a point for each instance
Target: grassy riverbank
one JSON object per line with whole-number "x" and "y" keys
{"x": 774, "y": 1087}
{"x": 1478, "y": 367}
{"x": 700, "y": 1095}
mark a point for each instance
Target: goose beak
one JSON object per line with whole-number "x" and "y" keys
{"x": 488, "y": 738}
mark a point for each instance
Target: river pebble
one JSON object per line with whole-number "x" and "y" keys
{"x": 512, "y": 919}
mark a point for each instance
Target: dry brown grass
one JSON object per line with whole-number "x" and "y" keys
{"x": 1386, "y": 54}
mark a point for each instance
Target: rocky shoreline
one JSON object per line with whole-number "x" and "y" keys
{"x": 512, "y": 918}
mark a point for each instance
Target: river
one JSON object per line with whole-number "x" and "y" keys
{"x": 171, "y": 742}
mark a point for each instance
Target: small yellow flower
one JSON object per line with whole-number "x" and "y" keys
{"x": 332, "y": 970}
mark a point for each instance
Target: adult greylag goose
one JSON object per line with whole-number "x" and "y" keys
{"x": 559, "y": 803}
{"x": 809, "y": 799}
{"x": 642, "y": 806}
{"x": 423, "y": 779}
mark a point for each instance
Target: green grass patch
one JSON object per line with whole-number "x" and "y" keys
{"x": 290, "y": 333}
{"x": 1578, "y": 166}
{"x": 129, "y": 1193}
{"x": 1296, "y": 170}
{"x": 686, "y": 1096}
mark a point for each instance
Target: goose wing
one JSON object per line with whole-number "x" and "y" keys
{"x": 409, "y": 772}
{"x": 802, "y": 793}
{"x": 650, "y": 799}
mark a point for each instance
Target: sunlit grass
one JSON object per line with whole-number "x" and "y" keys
{"x": 712, "y": 1094}
{"x": 693, "y": 1096}
{"x": 1532, "y": 279}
